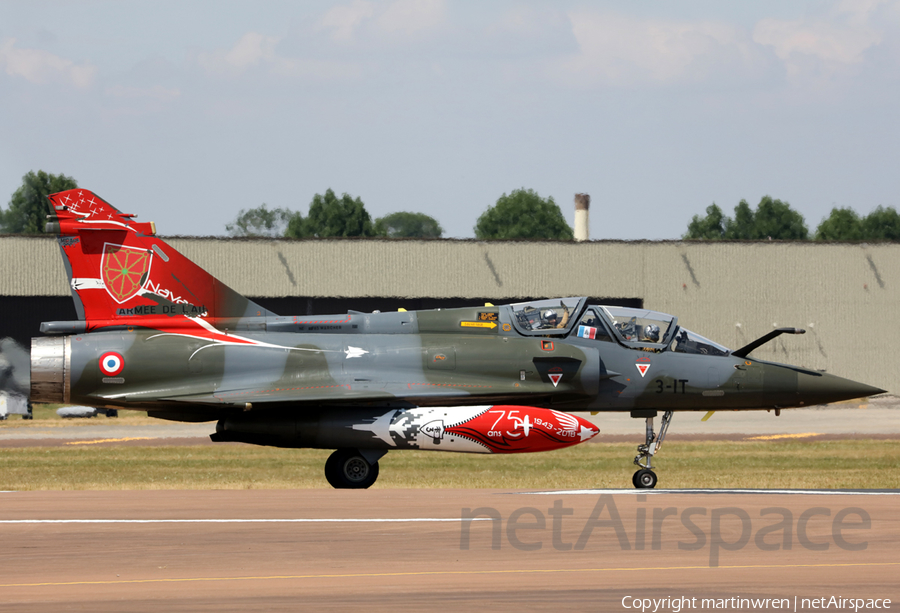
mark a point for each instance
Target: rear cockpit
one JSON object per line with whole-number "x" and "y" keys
{"x": 546, "y": 317}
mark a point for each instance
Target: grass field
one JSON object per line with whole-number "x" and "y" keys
{"x": 45, "y": 416}
{"x": 709, "y": 464}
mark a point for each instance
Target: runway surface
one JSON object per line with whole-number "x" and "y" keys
{"x": 411, "y": 550}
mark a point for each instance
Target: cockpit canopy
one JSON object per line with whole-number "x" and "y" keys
{"x": 634, "y": 328}
{"x": 643, "y": 329}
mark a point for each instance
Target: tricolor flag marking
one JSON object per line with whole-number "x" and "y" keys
{"x": 587, "y": 332}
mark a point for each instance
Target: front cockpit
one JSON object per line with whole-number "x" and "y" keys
{"x": 655, "y": 331}
{"x": 641, "y": 327}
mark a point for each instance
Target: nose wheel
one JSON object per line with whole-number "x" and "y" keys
{"x": 645, "y": 478}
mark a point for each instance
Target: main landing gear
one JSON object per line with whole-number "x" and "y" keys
{"x": 352, "y": 468}
{"x": 645, "y": 478}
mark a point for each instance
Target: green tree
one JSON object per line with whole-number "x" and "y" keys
{"x": 845, "y": 224}
{"x": 408, "y": 225}
{"x": 743, "y": 226}
{"x": 842, "y": 225}
{"x": 711, "y": 227}
{"x": 777, "y": 220}
{"x": 260, "y": 221}
{"x": 882, "y": 224}
{"x": 523, "y": 214}
{"x": 772, "y": 219}
{"x": 332, "y": 216}
{"x": 28, "y": 207}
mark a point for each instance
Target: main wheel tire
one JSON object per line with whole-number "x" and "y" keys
{"x": 331, "y": 471}
{"x": 644, "y": 479}
{"x": 347, "y": 469}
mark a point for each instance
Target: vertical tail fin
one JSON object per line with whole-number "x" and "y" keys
{"x": 121, "y": 273}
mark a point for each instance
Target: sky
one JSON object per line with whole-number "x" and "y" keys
{"x": 184, "y": 113}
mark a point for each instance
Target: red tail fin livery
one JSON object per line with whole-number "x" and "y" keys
{"x": 122, "y": 273}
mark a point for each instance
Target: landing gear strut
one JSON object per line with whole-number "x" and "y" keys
{"x": 645, "y": 478}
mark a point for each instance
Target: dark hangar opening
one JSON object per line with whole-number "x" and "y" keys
{"x": 21, "y": 316}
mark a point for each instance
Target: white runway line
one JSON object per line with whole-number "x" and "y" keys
{"x": 243, "y": 521}
{"x": 716, "y": 492}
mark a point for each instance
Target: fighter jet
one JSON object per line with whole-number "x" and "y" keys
{"x": 156, "y": 333}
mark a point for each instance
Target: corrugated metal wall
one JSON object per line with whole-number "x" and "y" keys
{"x": 846, "y": 296}
{"x": 31, "y": 266}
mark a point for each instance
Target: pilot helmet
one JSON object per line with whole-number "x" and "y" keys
{"x": 651, "y": 333}
{"x": 549, "y": 315}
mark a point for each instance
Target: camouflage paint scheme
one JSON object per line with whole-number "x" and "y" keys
{"x": 156, "y": 333}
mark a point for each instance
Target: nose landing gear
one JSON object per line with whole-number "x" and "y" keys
{"x": 645, "y": 478}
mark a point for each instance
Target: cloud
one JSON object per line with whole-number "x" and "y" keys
{"x": 251, "y": 50}
{"x": 838, "y": 38}
{"x": 257, "y": 51}
{"x": 524, "y": 20}
{"x": 617, "y": 49}
{"x": 525, "y": 32}
{"x": 344, "y": 21}
{"x": 623, "y": 50}
{"x": 38, "y": 66}
{"x": 411, "y": 18}
{"x": 399, "y": 20}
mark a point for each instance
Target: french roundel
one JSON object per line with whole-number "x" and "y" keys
{"x": 111, "y": 363}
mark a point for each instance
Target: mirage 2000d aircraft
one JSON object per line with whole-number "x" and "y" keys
{"x": 156, "y": 333}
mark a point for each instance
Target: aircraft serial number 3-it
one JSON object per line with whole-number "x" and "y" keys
{"x": 157, "y": 333}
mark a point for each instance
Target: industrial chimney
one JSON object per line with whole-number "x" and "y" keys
{"x": 582, "y": 204}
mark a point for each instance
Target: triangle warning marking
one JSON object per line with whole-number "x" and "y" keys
{"x": 643, "y": 368}
{"x": 555, "y": 378}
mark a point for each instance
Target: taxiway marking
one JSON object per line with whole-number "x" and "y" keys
{"x": 523, "y": 571}
{"x": 774, "y": 437}
{"x": 716, "y": 492}
{"x": 111, "y": 440}
{"x": 245, "y": 521}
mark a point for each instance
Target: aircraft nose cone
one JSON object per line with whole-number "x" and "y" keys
{"x": 830, "y": 388}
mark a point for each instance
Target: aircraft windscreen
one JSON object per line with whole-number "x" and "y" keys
{"x": 557, "y": 314}
{"x": 639, "y": 325}
{"x": 691, "y": 342}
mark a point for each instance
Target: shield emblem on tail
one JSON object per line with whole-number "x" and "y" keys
{"x": 124, "y": 270}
